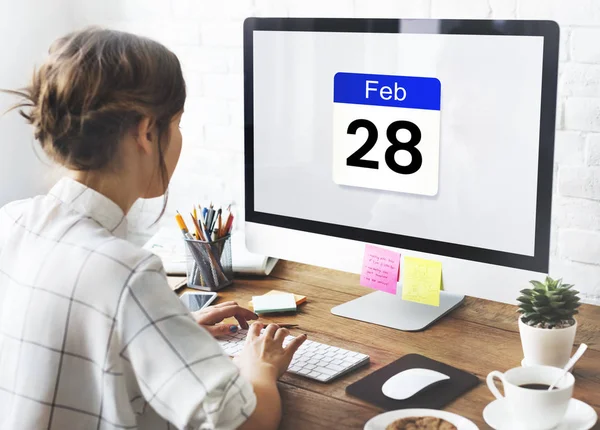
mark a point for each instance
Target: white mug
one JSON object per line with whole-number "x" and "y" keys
{"x": 529, "y": 408}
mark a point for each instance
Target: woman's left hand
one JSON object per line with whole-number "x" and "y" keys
{"x": 210, "y": 318}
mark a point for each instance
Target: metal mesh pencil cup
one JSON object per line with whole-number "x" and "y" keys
{"x": 208, "y": 264}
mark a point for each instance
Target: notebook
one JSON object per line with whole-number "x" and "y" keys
{"x": 168, "y": 245}
{"x": 271, "y": 303}
{"x": 299, "y": 299}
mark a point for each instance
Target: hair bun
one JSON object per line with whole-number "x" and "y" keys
{"x": 95, "y": 85}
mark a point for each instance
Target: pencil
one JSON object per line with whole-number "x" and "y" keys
{"x": 219, "y": 223}
{"x": 197, "y": 227}
{"x": 229, "y": 225}
{"x": 182, "y": 225}
{"x": 224, "y": 232}
{"x": 204, "y": 230}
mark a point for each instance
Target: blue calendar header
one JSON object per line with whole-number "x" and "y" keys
{"x": 387, "y": 90}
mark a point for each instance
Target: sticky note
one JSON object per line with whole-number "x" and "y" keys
{"x": 299, "y": 298}
{"x": 274, "y": 303}
{"x": 380, "y": 269}
{"x": 421, "y": 281}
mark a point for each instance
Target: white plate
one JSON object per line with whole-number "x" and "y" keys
{"x": 381, "y": 421}
{"x": 579, "y": 416}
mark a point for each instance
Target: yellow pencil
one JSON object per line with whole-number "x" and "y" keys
{"x": 197, "y": 227}
{"x": 182, "y": 225}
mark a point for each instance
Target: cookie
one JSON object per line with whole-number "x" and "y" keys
{"x": 420, "y": 423}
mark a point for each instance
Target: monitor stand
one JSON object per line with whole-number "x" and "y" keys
{"x": 391, "y": 311}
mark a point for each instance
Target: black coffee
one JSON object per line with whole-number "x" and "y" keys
{"x": 536, "y": 386}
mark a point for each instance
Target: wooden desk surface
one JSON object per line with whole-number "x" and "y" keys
{"x": 479, "y": 337}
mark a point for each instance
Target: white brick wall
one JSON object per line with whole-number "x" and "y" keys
{"x": 460, "y": 9}
{"x": 593, "y": 154}
{"x": 207, "y": 36}
{"x": 584, "y": 45}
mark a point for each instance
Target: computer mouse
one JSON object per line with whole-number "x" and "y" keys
{"x": 409, "y": 382}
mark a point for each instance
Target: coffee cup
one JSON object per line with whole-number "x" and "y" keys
{"x": 527, "y": 399}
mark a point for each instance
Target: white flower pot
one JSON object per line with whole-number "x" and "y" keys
{"x": 548, "y": 347}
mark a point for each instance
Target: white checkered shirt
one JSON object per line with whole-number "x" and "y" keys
{"x": 91, "y": 336}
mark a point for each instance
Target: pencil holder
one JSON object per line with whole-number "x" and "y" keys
{"x": 208, "y": 264}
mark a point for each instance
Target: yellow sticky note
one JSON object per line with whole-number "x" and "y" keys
{"x": 422, "y": 280}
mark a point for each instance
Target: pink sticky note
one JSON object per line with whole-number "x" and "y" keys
{"x": 380, "y": 269}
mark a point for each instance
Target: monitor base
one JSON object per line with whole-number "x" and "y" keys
{"x": 391, "y": 311}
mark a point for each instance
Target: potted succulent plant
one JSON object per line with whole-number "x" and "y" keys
{"x": 547, "y": 323}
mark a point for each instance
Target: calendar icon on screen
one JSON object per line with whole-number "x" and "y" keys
{"x": 386, "y": 132}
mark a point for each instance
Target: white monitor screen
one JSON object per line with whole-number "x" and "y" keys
{"x": 428, "y": 136}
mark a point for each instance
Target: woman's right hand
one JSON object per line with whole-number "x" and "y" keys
{"x": 264, "y": 356}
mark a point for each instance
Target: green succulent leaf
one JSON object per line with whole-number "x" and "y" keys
{"x": 538, "y": 285}
{"x": 526, "y": 308}
{"x": 557, "y": 305}
{"x": 525, "y": 300}
{"x": 550, "y": 303}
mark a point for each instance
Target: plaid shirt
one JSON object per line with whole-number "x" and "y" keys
{"x": 91, "y": 336}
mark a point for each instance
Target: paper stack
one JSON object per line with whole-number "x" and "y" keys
{"x": 168, "y": 244}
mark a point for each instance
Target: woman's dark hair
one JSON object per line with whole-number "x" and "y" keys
{"x": 96, "y": 85}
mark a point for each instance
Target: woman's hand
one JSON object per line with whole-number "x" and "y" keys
{"x": 210, "y": 318}
{"x": 264, "y": 357}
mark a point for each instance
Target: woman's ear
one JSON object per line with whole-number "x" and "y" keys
{"x": 145, "y": 135}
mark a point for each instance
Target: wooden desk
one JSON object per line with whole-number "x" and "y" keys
{"x": 479, "y": 337}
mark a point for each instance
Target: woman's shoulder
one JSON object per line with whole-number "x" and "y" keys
{"x": 11, "y": 214}
{"x": 14, "y": 208}
{"x": 132, "y": 256}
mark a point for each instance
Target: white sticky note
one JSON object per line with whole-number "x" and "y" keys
{"x": 273, "y": 303}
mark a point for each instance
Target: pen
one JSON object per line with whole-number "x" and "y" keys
{"x": 214, "y": 219}
{"x": 209, "y": 219}
{"x": 282, "y": 325}
{"x": 218, "y": 222}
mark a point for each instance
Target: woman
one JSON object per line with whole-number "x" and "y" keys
{"x": 91, "y": 336}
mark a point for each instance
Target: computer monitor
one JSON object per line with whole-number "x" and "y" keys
{"x": 430, "y": 137}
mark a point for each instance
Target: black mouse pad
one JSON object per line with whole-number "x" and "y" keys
{"x": 435, "y": 396}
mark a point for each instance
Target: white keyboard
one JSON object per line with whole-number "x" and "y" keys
{"x": 313, "y": 360}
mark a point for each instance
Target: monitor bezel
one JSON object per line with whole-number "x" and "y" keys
{"x": 549, "y": 30}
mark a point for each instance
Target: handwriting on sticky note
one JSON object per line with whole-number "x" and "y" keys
{"x": 421, "y": 281}
{"x": 380, "y": 269}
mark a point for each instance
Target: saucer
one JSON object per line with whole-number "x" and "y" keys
{"x": 579, "y": 416}
{"x": 381, "y": 421}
